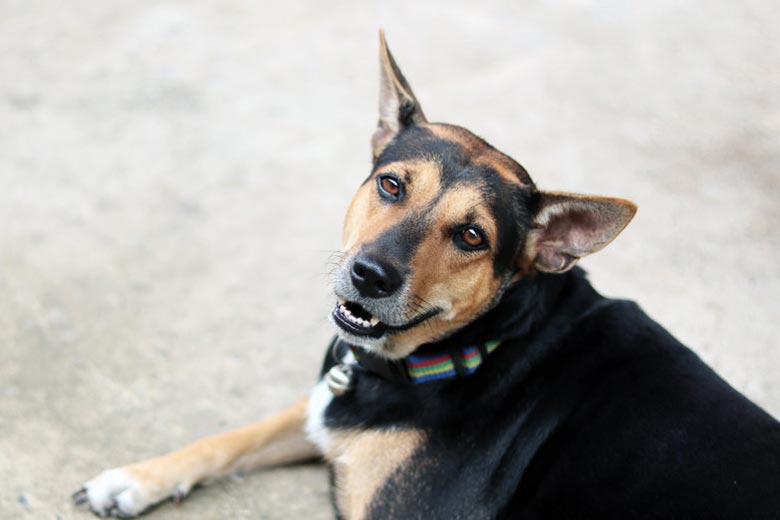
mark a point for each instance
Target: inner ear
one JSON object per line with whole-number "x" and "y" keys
{"x": 398, "y": 107}
{"x": 568, "y": 227}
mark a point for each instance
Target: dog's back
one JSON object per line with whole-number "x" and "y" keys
{"x": 647, "y": 431}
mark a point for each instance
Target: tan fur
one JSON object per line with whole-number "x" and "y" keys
{"x": 364, "y": 460}
{"x": 276, "y": 440}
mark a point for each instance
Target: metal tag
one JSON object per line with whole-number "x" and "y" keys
{"x": 339, "y": 379}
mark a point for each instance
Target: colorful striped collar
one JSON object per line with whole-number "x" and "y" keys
{"x": 416, "y": 369}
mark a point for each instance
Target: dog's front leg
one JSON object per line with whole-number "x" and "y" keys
{"x": 129, "y": 490}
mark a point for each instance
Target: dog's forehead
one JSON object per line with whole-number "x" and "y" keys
{"x": 461, "y": 156}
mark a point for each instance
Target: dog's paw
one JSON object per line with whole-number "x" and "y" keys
{"x": 122, "y": 492}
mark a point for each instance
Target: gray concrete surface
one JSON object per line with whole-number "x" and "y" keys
{"x": 173, "y": 176}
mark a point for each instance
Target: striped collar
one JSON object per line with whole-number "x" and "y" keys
{"x": 416, "y": 369}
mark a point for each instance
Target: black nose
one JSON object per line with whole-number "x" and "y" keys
{"x": 374, "y": 278}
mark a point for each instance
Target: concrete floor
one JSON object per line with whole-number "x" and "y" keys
{"x": 173, "y": 176}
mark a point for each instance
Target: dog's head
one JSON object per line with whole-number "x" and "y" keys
{"x": 444, "y": 223}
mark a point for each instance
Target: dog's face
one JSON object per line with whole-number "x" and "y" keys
{"x": 444, "y": 224}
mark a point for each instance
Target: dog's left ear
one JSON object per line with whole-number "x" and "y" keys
{"x": 398, "y": 108}
{"x": 568, "y": 227}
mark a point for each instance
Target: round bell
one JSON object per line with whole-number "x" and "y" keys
{"x": 339, "y": 379}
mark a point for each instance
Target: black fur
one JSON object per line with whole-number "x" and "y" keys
{"x": 589, "y": 409}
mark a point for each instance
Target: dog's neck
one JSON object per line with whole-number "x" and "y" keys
{"x": 522, "y": 309}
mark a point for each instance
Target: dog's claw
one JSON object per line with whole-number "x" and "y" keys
{"x": 179, "y": 495}
{"x": 80, "y": 496}
{"x": 114, "y": 510}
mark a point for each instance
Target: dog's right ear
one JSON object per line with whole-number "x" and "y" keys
{"x": 398, "y": 108}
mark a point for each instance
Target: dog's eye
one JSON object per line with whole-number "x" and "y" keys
{"x": 470, "y": 238}
{"x": 390, "y": 187}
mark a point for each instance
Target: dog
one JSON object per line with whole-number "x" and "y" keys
{"x": 477, "y": 374}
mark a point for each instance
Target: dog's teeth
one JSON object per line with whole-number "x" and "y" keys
{"x": 357, "y": 320}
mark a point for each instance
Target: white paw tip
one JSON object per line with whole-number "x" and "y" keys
{"x": 113, "y": 492}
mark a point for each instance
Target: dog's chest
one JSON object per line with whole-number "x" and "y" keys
{"x": 363, "y": 460}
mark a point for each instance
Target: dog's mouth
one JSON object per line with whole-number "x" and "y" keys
{"x": 357, "y": 320}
